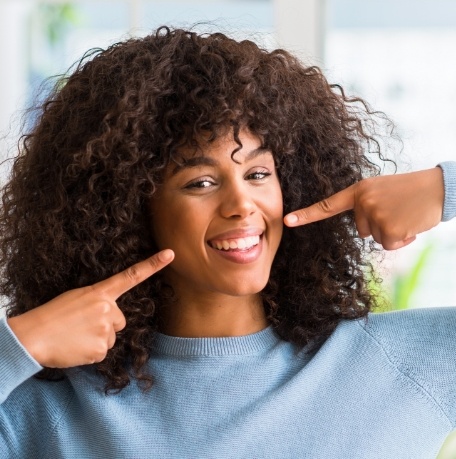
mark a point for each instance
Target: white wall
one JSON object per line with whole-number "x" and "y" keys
{"x": 300, "y": 27}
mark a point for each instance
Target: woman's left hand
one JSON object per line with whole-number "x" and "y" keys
{"x": 392, "y": 209}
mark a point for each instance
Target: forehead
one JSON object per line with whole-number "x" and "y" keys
{"x": 205, "y": 151}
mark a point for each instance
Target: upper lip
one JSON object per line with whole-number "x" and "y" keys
{"x": 238, "y": 233}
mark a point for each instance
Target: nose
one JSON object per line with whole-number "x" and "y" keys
{"x": 237, "y": 201}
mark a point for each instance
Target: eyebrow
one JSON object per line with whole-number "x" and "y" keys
{"x": 197, "y": 161}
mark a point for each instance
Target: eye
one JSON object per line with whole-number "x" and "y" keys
{"x": 258, "y": 175}
{"x": 202, "y": 183}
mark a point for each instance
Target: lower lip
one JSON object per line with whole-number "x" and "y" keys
{"x": 242, "y": 256}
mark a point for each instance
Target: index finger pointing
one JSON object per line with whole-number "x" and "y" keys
{"x": 120, "y": 283}
{"x": 335, "y": 204}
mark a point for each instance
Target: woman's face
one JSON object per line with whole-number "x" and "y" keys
{"x": 222, "y": 218}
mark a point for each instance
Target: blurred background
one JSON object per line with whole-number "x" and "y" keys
{"x": 397, "y": 54}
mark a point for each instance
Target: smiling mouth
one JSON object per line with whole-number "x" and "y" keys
{"x": 235, "y": 245}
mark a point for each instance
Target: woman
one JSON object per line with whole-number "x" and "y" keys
{"x": 238, "y": 336}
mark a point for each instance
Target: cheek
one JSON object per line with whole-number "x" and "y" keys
{"x": 278, "y": 210}
{"x": 173, "y": 223}
{"x": 275, "y": 202}
{"x": 161, "y": 221}
{"x": 273, "y": 206}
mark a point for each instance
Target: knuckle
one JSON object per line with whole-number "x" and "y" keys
{"x": 119, "y": 323}
{"x": 104, "y": 329}
{"x": 122, "y": 323}
{"x": 303, "y": 214}
{"x": 100, "y": 352}
{"x": 102, "y": 308}
{"x": 325, "y": 205}
{"x": 378, "y": 216}
{"x": 154, "y": 263}
{"x": 394, "y": 233}
{"x": 363, "y": 186}
{"x": 366, "y": 203}
{"x": 112, "y": 341}
{"x": 132, "y": 274}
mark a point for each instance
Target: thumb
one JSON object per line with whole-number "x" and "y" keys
{"x": 335, "y": 204}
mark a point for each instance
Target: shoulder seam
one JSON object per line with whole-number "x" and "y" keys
{"x": 405, "y": 375}
{"x": 57, "y": 421}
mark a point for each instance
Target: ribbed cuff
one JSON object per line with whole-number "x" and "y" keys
{"x": 449, "y": 181}
{"x": 16, "y": 364}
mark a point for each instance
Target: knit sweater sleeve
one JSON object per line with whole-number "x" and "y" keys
{"x": 28, "y": 412}
{"x": 421, "y": 343}
{"x": 16, "y": 367}
{"x": 449, "y": 180}
{"x": 16, "y": 364}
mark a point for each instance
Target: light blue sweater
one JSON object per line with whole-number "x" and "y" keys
{"x": 384, "y": 388}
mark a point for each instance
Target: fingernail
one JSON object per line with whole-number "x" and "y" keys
{"x": 292, "y": 218}
{"x": 166, "y": 255}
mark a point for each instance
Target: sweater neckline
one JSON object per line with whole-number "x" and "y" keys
{"x": 231, "y": 345}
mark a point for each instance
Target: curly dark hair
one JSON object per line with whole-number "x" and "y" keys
{"x": 75, "y": 210}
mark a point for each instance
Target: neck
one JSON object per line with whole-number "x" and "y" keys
{"x": 213, "y": 316}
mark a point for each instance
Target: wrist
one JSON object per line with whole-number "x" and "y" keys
{"x": 24, "y": 330}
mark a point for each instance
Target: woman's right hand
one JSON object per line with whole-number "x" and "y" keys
{"x": 79, "y": 326}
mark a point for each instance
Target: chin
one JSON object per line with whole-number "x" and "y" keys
{"x": 245, "y": 288}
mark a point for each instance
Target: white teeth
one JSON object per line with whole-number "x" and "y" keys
{"x": 241, "y": 243}
{"x": 253, "y": 240}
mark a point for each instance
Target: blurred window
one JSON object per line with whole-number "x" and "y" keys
{"x": 399, "y": 55}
